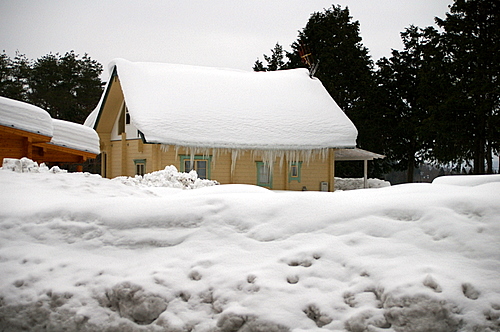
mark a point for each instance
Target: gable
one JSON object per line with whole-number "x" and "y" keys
{"x": 104, "y": 116}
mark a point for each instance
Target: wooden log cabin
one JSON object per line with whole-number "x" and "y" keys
{"x": 29, "y": 131}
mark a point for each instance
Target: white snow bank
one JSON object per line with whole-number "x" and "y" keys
{"x": 467, "y": 180}
{"x": 169, "y": 177}
{"x": 358, "y": 183}
{"x": 225, "y": 108}
{"x": 75, "y": 136}
{"x": 79, "y": 252}
{"x": 20, "y": 115}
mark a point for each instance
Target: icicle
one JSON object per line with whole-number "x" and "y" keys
{"x": 235, "y": 154}
{"x": 164, "y": 147}
{"x": 176, "y": 152}
{"x": 269, "y": 157}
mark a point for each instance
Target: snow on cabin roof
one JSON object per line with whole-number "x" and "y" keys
{"x": 30, "y": 118}
{"x": 27, "y": 117}
{"x": 75, "y": 136}
{"x": 222, "y": 108}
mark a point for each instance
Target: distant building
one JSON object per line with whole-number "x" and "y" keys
{"x": 281, "y": 130}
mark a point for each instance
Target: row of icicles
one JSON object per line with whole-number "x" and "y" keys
{"x": 268, "y": 157}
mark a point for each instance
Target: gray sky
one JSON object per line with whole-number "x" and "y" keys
{"x": 217, "y": 33}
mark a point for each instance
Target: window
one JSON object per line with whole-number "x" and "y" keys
{"x": 201, "y": 164}
{"x": 264, "y": 177}
{"x": 140, "y": 166}
{"x": 127, "y": 116}
{"x": 295, "y": 171}
{"x": 124, "y": 119}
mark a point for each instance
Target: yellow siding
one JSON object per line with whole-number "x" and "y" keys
{"x": 312, "y": 173}
{"x": 221, "y": 168}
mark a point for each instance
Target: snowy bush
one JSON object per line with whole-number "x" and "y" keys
{"x": 358, "y": 183}
{"x": 26, "y": 165}
{"x": 169, "y": 177}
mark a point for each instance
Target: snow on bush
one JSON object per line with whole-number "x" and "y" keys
{"x": 358, "y": 183}
{"x": 26, "y": 165}
{"x": 169, "y": 177}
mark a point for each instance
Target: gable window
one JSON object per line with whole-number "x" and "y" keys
{"x": 127, "y": 116}
{"x": 264, "y": 177}
{"x": 201, "y": 164}
{"x": 124, "y": 119}
{"x": 295, "y": 171}
{"x": 140, "y": 166}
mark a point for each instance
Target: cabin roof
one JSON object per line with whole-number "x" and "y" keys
{"x": 28, "y": 118}
{"x": 75, "y": 136}
{"x": 23, "y": 116}
{"x": 223, "y": 108}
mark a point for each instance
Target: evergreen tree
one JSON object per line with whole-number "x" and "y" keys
{"x": 472, "y": 40}
{"x": 14, "y": 76}
{"x": 344, "y": 67}
{"x": 274, "y": 62}
{"x": 346, "y": 70}
{"x": 65, "y": 86}
{"x": 408, "y": 93}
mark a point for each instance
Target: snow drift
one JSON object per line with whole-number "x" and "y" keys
{"x": 83, "y": 253}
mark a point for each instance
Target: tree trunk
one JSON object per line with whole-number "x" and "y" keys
{"x": 411, "y": 170}
{"x": 489, "y": 159}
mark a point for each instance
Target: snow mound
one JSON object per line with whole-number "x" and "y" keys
{"x": 358, "y": 183}
{"x": 26, "y": 165}
{"x": 169, "y": 177}
{"x": 467, "y": 180}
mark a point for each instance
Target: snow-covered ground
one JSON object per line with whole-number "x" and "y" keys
{"x": 83, "y": 253}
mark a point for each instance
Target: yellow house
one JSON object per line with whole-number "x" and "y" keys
{"x": 280, "y": 130}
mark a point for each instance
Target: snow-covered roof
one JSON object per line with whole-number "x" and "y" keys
{"x": 223, "y": 108}
{"x": 23, "y": 116}
{"x": 356, "y": 154}
{"x": 75, "y": 136}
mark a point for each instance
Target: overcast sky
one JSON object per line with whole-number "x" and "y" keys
{"x": 218, "y": 33}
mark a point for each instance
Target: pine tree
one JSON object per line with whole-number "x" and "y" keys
{"x": 14, "y": 76}
{"x": 472, "y": 39}
{"x": 66, "y": 86}
{"x": 274, "y": 62}
{"x": 408, "y": 93}
{"x": 345, "y": 69}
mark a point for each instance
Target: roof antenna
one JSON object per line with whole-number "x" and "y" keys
{"x": 307, "y": 58}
